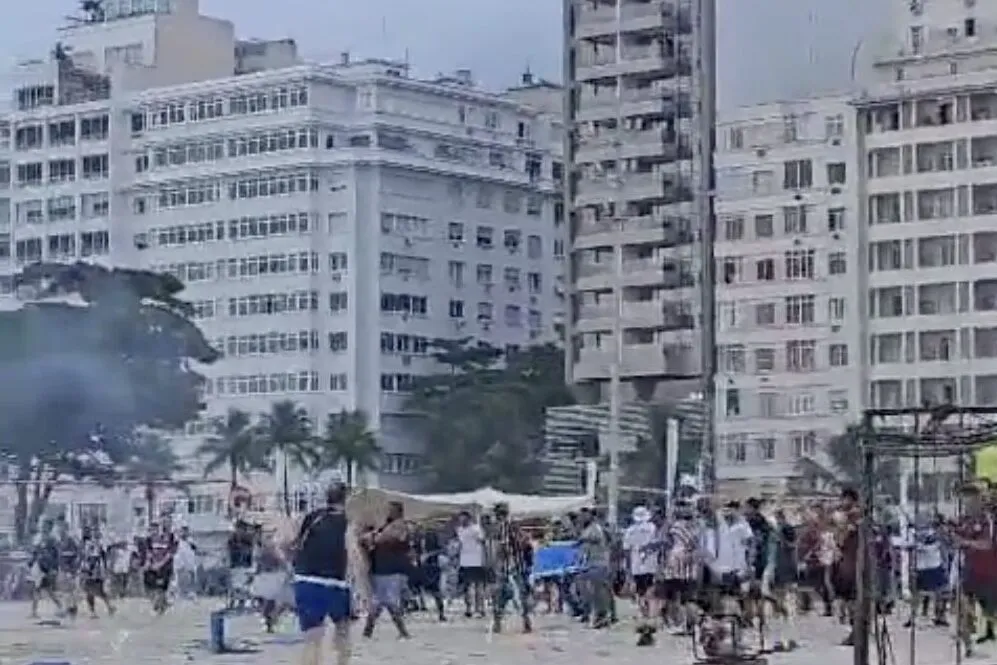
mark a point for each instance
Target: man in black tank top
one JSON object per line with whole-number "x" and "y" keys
{"x": 321, "y": 588}
{"x": 390, "y": 565}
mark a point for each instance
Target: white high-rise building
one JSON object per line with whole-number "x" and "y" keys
{"x": 328, "y": 220}
{"x": 788, "y": 272}
{"x": 918, "y": 282}
{"x": 633, "y": 158}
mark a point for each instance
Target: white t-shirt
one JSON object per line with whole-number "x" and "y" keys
{"x": 732, "y": 541}
{"x": 635, "y": 541}
{"x": 472, "y": 548}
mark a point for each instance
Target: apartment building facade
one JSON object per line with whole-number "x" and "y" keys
{"x": 918, "y": 282}
{"x": 787, "y": 266}
{"x": 328, "y": 220}
{"x": 632, "y": 162}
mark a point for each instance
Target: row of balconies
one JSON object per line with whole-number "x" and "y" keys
{"x": 660, "y": 186}
{"x": 894, "y": 393}
{"x": 656, "y": 313}
{"x": 674, "y": 359}
{"x": 593, "y": 19}
{"x": 645, "y": 229}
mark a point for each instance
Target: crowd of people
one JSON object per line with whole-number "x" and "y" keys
{"x": 691, "y": 567}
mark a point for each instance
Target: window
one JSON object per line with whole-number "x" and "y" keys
{"x": 835, "y": 220}
{"x": 766, "y": 448}
{"x": 338, "y": 383}
{"x": 513, "y": 316}
{"x": 731, "y": 270}
{"x": 836, "y": 174}
{"x": 732, "y": 358}
{"x": 764, "y": 360}
{"x": 727, "y": 315}
{"x": 765, "y": 269}
{"x": 338, "y": 302}
{"x": 836, "y": 263}
{"x": 798, "y": 174}
{"x": 801, "y": 404}
{"x": 534, "y": 247}
{"x": 732, "y": 402}
{"x": 737, "y": 449}
{"x": 338, "y": 342}
{"x": 768, "y": 405}
{"x": 800, "y": 310}
{"x": 838, "y": 355}
{"x": 836, "y": 309}
{"x": 734, "y": 228}
{"x": 456, "y": 309}
{"x": 834, "y": 126}
{"x": 794, "y": 219}
{"x": 735, "y": 138}
{"x": 455, "y": 232}
{"x": 455, "y": 272}
{"x": 801, "y": 355}
{"x": 800, "y": 264}
{"x": 484, "y": 274}
{"x": 485, "y": 235}
{"x": 764, "y": 226}
{"x": 838, "y": 400}
{"x": 804, "y": 443}
{"x": 765, "y": 314}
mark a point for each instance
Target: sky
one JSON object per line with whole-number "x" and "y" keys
{"x": 768, "y": 49}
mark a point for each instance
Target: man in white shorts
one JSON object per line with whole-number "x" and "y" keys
{"x": 471, "y": 575}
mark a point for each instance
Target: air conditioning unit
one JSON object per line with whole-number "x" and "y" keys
{"x": 337, "y": 276}
{"x": 408, "y": 242}
{"x": 406, "y": 360}
{"x": 533, "y": 300}
{"x": 835, "y": 141}
{"x": 835, "y": 190}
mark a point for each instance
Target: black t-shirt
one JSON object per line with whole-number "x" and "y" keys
{"x": 94, "y": 562}
{"x": 69, "y": 554}
{"x": 46, "y": 554}
{"x": 391, "y": 557}
{"x": 240, "y": 550}
{"x": 321, "y": 545}
{"x": 762, "y": 531}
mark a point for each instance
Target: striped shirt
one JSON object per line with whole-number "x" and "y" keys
{"x": 681, "y": 560}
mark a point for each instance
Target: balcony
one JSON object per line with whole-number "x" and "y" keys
{"x": 935, "y": 204}
{"x": 664, "y": 230}
{"x": 937, "y": 346}
{"x": 985, "y": 295}
{"x": 593, "y": 19}
{"x": 984, "y": 152}
{"x": 936, "y": 252}
{"x": 985, "y": 247}
{"x": 985, "y": 199}
{"x": 985, "y": 343}
{"x": 983, "y": 106}
{"x": 884, "y": 162}
{"x": 660, "y": 144}
{"x": 937, "y": 299}
{"x": 986, "y": 390}
{"x": 654, "y": 359}
{"x": 935, "y": 157}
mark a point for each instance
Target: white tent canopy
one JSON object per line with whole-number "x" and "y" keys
{"x": 370, "y": 505}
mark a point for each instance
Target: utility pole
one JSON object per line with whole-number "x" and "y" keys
{"x": 616, "y": 365}
{"x": 706, "y": 73}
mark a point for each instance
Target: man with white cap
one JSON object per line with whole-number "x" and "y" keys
{"x": 642, "y": 557}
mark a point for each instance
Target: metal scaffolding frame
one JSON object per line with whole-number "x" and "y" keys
{"x": 932, "y": 432}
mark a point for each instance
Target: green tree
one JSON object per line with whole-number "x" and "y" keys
{"x": 482, "y": 417}
{"x": 287, "y": 430}
{"x": 234, "y": 445}
{"x": 348, "y": 442}
{"x": 92, "y": 356}
{"x": 843, "y": 453}
{"x": 153, "y": 465}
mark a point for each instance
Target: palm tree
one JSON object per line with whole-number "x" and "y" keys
{"x": 233, "y": 444}
{"x": 287, "y": 430}
{"x": 348, "y": 441}
{"x": 153, "y": 464}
